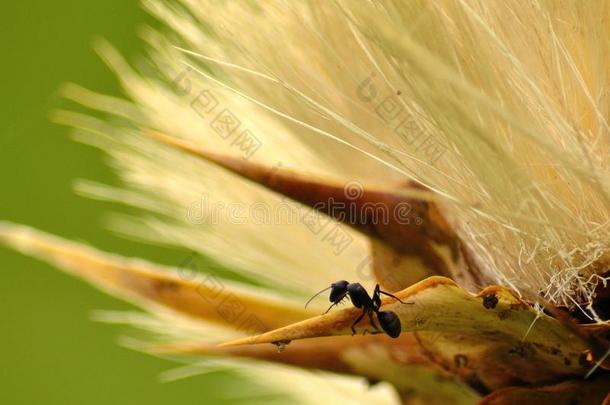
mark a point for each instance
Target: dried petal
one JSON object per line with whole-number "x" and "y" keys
{"x": 205, "y": 298}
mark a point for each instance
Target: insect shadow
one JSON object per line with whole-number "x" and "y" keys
{"x": 389, "y": 321}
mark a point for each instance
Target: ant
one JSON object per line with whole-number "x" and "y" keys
{"x": 389, "y": 321}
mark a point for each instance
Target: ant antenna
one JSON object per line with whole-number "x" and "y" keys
{"x": 316, "y": 294}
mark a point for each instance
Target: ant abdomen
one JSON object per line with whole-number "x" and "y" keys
{"x": 390, "y": 323}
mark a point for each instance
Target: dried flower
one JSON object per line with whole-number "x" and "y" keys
{"x": 453, "y": 152}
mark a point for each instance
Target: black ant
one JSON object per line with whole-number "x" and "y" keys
{"x": 389, "y": 321}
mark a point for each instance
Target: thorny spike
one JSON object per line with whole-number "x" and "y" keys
{"x": 417, "y": 231}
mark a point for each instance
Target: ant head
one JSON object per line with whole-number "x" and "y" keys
{"x": 337, "y": 289}
{"x": 390, "y": 323}
{"x": 337, "y": 292}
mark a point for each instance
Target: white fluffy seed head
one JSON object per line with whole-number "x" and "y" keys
{"x": 502, "y": 108}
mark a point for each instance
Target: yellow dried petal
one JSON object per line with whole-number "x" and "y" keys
{"x": 492, "y": 339}
{"x": 204, "y": 298}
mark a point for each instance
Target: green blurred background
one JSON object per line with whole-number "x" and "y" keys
{"x": 50, "y": 350}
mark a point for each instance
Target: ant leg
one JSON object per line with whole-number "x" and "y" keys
{"x": 335, "y": 303}
{"x": 376, "y": 298}
{"x": 372, "y": 321}
{"x": 356, "y": 322}
{"x": 393, "y": 296}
